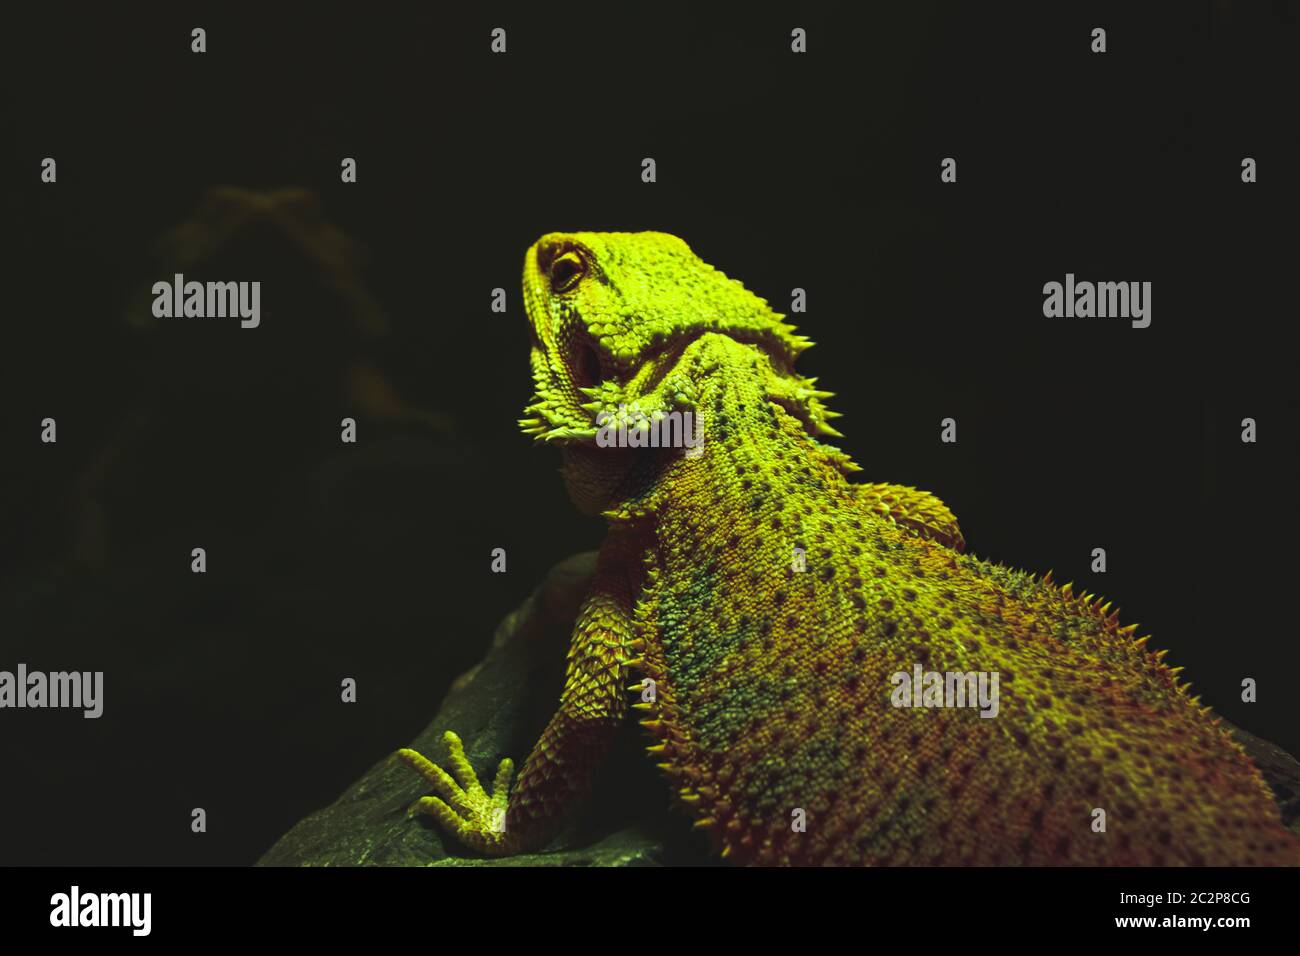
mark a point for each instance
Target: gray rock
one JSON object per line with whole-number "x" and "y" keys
{"x": 499, "y": 708}
{"x": 1280, "y": 770}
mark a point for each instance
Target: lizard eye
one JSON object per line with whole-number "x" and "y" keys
{"x": 566, "y": 270}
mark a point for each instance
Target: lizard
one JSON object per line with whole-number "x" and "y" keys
{"x": 766, "y": 685}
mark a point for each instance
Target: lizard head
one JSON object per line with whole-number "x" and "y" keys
{"x": 610, "y": 315}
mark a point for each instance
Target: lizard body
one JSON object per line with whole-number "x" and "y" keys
{"x": 773, "y": 685}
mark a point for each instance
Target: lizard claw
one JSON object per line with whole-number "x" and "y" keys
{"x": 463, "y": 808}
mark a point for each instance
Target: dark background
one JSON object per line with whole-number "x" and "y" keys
{"x": 821, "y": 171}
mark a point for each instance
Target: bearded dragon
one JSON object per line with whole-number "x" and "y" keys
{"x": 768, "y": 605}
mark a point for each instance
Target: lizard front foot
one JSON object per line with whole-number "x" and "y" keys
{"x": 462, "y": 807}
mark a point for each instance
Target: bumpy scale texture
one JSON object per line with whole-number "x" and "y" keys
{"x": 772, "y": 686}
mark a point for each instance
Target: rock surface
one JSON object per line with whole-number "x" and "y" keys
{"x": 498, "y": 708}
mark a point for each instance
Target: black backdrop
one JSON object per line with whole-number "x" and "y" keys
{"x": 818, "y": 171}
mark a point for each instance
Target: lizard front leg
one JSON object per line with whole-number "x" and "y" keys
{"x": 559, "y": 768}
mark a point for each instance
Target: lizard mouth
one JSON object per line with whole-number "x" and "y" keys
{"x": 587, "y": 385}
{"x": 585, "y": 367}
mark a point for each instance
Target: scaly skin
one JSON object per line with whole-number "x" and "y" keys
{"x": 773, "y": 685}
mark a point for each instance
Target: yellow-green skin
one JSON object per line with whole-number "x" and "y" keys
{"x": 772, "y": 711}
